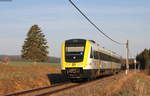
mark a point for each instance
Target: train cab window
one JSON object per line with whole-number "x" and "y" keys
{"x": 74, "y": 50}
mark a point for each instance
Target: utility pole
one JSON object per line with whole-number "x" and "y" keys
{"x": 127, "y": 57}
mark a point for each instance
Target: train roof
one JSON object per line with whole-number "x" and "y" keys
{"x": 77, "y": 39}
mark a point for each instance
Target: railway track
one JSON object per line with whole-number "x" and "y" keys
{"x": 50, "y": 89}
{"x": 45, "y": 90}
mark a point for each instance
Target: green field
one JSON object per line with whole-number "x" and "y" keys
{"x": 31, "y": 63}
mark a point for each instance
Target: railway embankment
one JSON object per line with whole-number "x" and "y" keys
{"x": 137, "y": 85}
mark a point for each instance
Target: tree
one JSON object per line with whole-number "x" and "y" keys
{"x": 144, "y": 58}
{"x": 35, "y": 46}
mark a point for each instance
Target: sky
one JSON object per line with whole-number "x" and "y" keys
{"x": 122, "y": 20}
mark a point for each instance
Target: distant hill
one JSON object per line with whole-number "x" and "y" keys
{"x": 17, "y": 58}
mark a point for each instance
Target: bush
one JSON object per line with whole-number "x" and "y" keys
{"x": 148, "y": 66}
{"x": 6, "y": 60}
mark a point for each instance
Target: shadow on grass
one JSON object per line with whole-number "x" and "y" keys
{"x": 56, "y": 78}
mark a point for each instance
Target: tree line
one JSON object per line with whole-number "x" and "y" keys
{"x": 18, "y": 58}
{"x": 144, "y": 59}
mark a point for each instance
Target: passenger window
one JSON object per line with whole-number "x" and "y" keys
{"x": 91, "y": 54}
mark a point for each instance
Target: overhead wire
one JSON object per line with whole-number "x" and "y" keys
{"x": 87, "y": 18}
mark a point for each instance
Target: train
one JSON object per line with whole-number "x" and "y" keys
{"x": 86, "y": 59}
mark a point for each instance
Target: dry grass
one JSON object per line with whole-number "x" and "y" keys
{"x": 138, "y": 85}
{"x": 107, "y": 86}
{"x": 115, "y": 86}
{"x": 19, "y": 78}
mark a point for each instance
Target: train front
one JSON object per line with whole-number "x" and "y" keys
{"x": 74, "y": 58}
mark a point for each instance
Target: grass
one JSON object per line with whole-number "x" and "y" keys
{"x": 140, "y": 80}
{"x": 126, "y": 93}
{"x": 20, "y": 76}
{"x": 139, "y": 85}
{"x": 31, "y": 63}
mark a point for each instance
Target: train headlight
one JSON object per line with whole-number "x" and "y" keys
{"x": 80, "y": 64}
{"x": 67, "y": 64}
